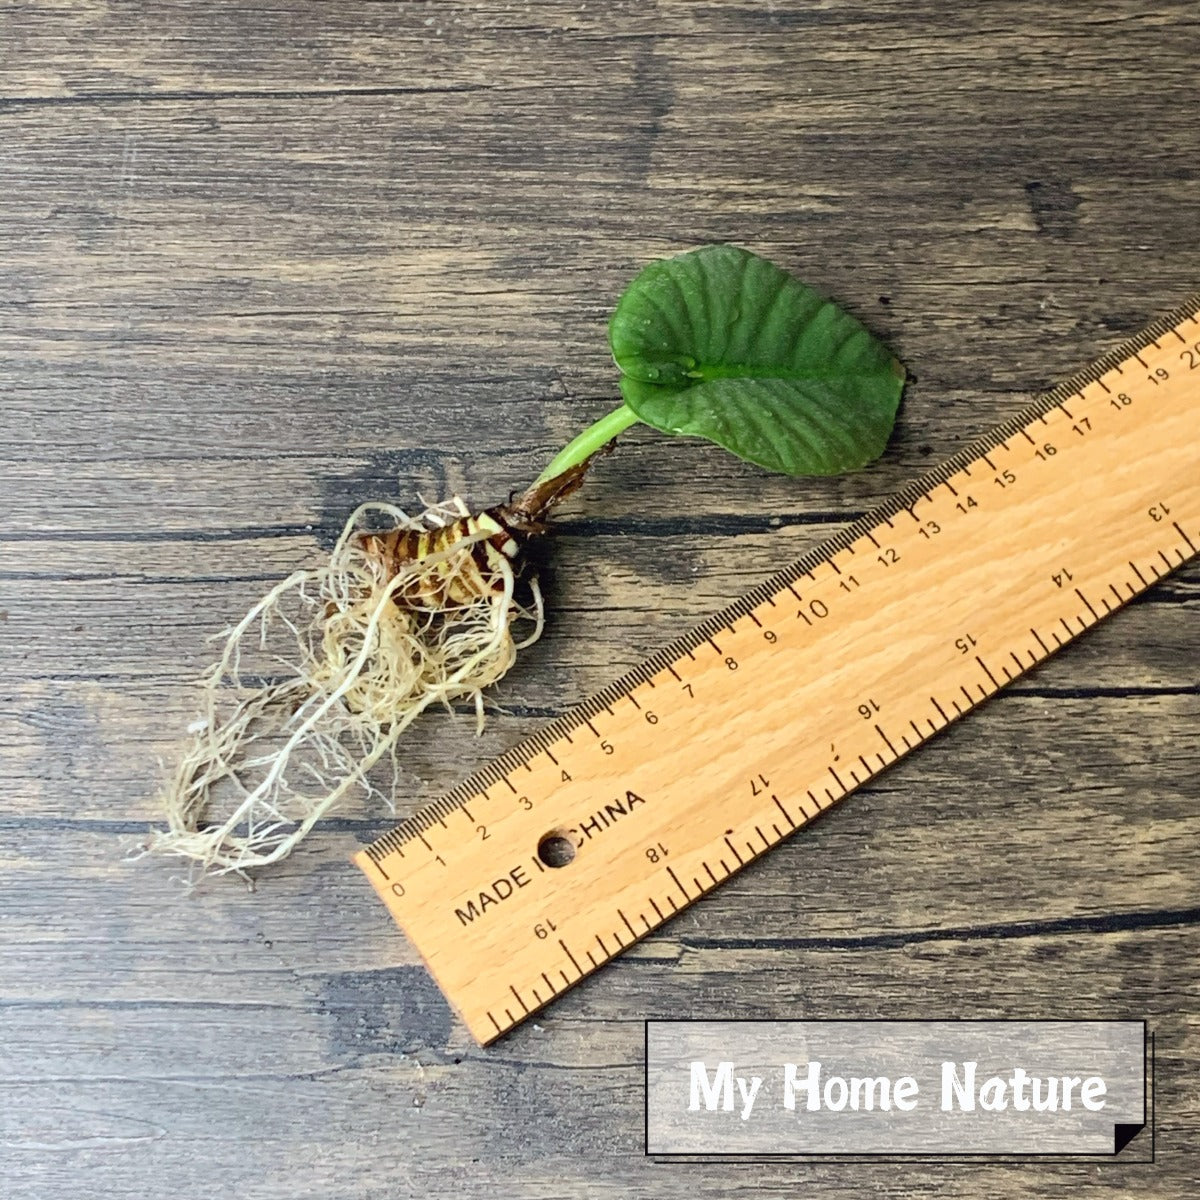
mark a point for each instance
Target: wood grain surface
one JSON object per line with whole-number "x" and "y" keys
{"x": 260, "y": 263}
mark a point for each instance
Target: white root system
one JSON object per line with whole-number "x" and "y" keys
{"x": 316, "y": 684}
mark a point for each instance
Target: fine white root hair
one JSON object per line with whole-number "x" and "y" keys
{"x": 317, "y": 682}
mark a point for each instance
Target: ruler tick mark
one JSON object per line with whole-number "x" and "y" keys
{"x": 494, "y": 1022}
{"x": 632, "y": 931}
{"x": 658, "y": 911}
{"x": 517, "y": 996}
{"x": 786, "y": 815}
{"x": 567, "y": 952}
{"x": 603, "y": 947}
{"x": 1043, "y": 645}
{"x": 941, "y": 711}
{"x": 762, "y": 835}
{"x": 671, "y": 872}
{"x": 591, "y": 958}
{"x": 553, "y": 989}
{"x": 633, "y": 701}
{"x": 733, "y": 849}
{"x": 837, "y": 781}
{"x": 710, "y": 874}
{"x": 995, "y": 681}
{"x": 1107, "y": 390}
{"x": 1185, "y": 537}
{"x": 886, "y": 740}
{"x": 591, "y": 726}
{"x": 1088, "y": 603}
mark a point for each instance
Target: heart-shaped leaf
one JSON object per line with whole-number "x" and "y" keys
{"x": 723, "y": 344}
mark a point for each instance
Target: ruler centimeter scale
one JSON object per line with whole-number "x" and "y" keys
{"x": 718, "y": 747}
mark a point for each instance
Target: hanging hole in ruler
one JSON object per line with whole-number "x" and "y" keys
{"x": 556, "y": 849}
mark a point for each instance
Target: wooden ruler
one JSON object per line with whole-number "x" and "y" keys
{"x": 728, "y": 740}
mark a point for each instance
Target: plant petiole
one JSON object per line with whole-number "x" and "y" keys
{"x": 588, "y": 442}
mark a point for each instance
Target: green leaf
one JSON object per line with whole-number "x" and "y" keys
{"x": 725, "y": 345}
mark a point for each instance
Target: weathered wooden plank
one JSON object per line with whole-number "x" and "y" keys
{"x": 681, "y": 560}
{"x": 1060, "y": 820}
{"x": 147, "y": 610}
{"x": 219, "y": 1110}
{"x": 83, "y": 715}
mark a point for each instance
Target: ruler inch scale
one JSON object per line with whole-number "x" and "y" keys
{"x": 730, "y": 738}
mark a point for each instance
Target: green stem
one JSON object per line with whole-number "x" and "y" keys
{"x": 588, "y": 442}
